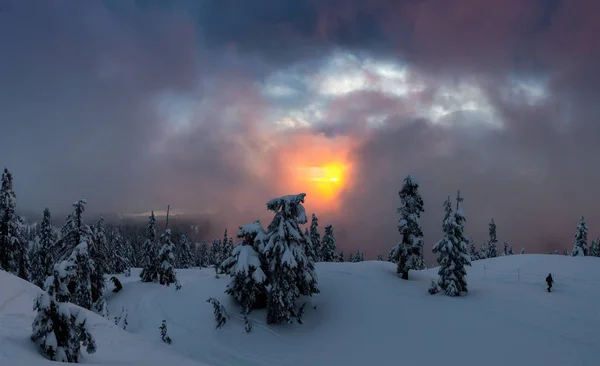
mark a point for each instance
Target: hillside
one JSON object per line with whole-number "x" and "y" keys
{"x": 115, "y": 346}
{"x": 364, "y": 315}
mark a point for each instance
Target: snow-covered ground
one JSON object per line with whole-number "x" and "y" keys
{"x": 365, "y": 315}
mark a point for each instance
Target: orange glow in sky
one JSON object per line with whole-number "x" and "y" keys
{"x": 320, "y": 167}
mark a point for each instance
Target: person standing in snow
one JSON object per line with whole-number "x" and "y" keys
{"x": 549, "y": 281}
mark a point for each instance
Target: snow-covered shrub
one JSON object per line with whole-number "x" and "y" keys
{"x": 163, "y": 332}
{"x": 219, "y": 311}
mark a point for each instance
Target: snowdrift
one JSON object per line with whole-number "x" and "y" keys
{"x": 367, "y": 315}
{"x": 115, "y": 346}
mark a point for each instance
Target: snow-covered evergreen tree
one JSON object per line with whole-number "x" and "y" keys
{"x": 309, "y": 249}
{"x": 248, "y": 280}
{"x": 328, "y": 249}
{"x": 119, "y": 259}
{"x": 44, "y": 254}
{"x": 581, "y": 248}
{"x": 219, "y": 312}
{"x": 291, "y": 273}
{"x": 73, "y": 232}
{"x": 484, "y": 250}
{"x": 215, "y": 253}
{"x": 164, "y": 335}
{"x": 358, "y": 257}
{"x": 523, "y": 251}
{"x": 473, "y": 252}
{"x": 185, "y": 259}
{"x": 226, "y": 247}
{"x": 166, "y": 269}
{"x": 13, "y": 242}
{"x": 150, "y": 259}
{"x": 58, "y": 329}
{"x": 79, "y": 267}
{"x": 510, "y": 251}
{"x": 505, "y": 250}
{"x": 351, "y": 258}
{"x": 98, "y": 251}
{"x": 315, "y": 237}
{"x": 410, "y": 251}
{"x": 452, "y": 249}
{"x": 340, "y": 257}
{"x": 203, "y": 254}
{"x": 379, "y": 258}
{"x": 492, "y": 249}
{"x": 595, "y": 248}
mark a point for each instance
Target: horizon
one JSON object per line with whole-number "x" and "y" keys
{"x": 215, "y": 109}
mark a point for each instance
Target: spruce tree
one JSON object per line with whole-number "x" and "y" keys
{"x": 492, "y": 249}
{"x": 44, "y": 255}
{"x": 484, "y": 250}
{"x": 291, "y": 273}
{"x": 309, "y": 249}
{"x": 351, "y": 258}
{"x": 185, "y": 259}
{"x": 98, "y": 251}
{"x": 473, "y": 253}
{"x": 58, "y": 329}
{"x": 410, "y": 252}
{"x": 505, "y": 250}
{"x": 452, "y": 250}
{"x": 248, "y": 280}
{"x": 203, "y": 254}
{"x": 315, "y": 237}
{"x": 379, "y": 258}
{"x": 13, "y": 243}
{"x": 119, "y": 258}
{"x": 73, "y": 232}
{"x": 150, "y": 259}
{"x": 166, "y": 269}
{"x": 595, "y": 248}
{"x": 358, "y": 257}
{"x": 328, "y": 250}
{"x": 340, "y": 257}
{"x": 581, "y": 248}
{"x": 215, "y": 253}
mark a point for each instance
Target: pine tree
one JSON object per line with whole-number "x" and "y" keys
{"x": 510, "y": 251}
{"x": 484, "y": 250}
{"x": 44, "y": 254}
{"x": 58, "y": 329}
{"x": 523, "y": 251}
{"x": 340, "y": 257}
{"x": 452, "y": 250}
{"x": 13, "y": 243}
{"x": 351, "y": 258}
{"x": 595, "y": 248}
{"x": 379, "y": 258}
{"x": 358, "y": 257}
{"x": 150, "y": 259}
{"x": 248, "y": 282}
{"x": 73, "y": 232}
{"x": 80, "y": 266}
{"x": 119, "y": 258}
{"x": 291, "y": 273}
{"x": 505, "y": 250}
{"x": 473, "y": 253}
{"x": 492, "y": 251}
{"x": 309, "y": 249}
{"x": 581, "y": 248}
{"x": 410, "y": 253}
{"x": 215, "y": 253}
{"x": 315, "y": 237}
{"x": 98, "y": 251}
{"x": 166, "y": 269}
{"x": 328, "y": 249}
{"x": 185, "y": 252}
{"x": 225, "y": 248}
{"x": 203, "y": 254}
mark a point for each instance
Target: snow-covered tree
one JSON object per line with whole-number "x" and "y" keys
{"x": 219, "y": 312}
{"x": 59, "y": 329}
{"x": 410, "y": 250}
{"x": 215, "y": 253}
{"x": 452, "y": 249}
{"x": 13, "y": 242}
{"x": 185, "y": 259}
{"x": 595, "y": 248}
{"x": 351, "y": 258}
{"x": 505, "y": 250}
{"x": 340, "y": 257}
{"x": 379, "y": 258}
{"x": 328, "y": 250}
{"x": 492, "y": 249}
{"x": 473, "y": 252}
{"x": 79, "y": 267}
{"x": 203, "y": 259}
{"x": 358, "y": 257}
{"x": 484, "y": 250}
{"x": 150, "y": 259}
{"x": 166, "y": 258}
{"x": 523, "y": 251}
{"x": 226, "y": 247}
{"x": 291, "y": 272}
{"x": 73, "y": 232}
{"x": 98, "y": 251}
{"x": 44, "y": 254}
{"x": 119, "y": 261}
{"x": 581, "y": 248}
{"x": 315, "y": 237}
{"x": 309, "y": 249}
{"x": 510, "y": 251}
{"x": 248, "y": 280}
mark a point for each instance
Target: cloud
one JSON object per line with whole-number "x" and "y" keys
{"x": 209, "y": 107}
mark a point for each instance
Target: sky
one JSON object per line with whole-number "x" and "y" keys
{"x": 217, "y": 106}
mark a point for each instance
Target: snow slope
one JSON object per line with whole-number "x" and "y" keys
{"x": 115, "y": 346}
{"x": 366, "y": 315}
